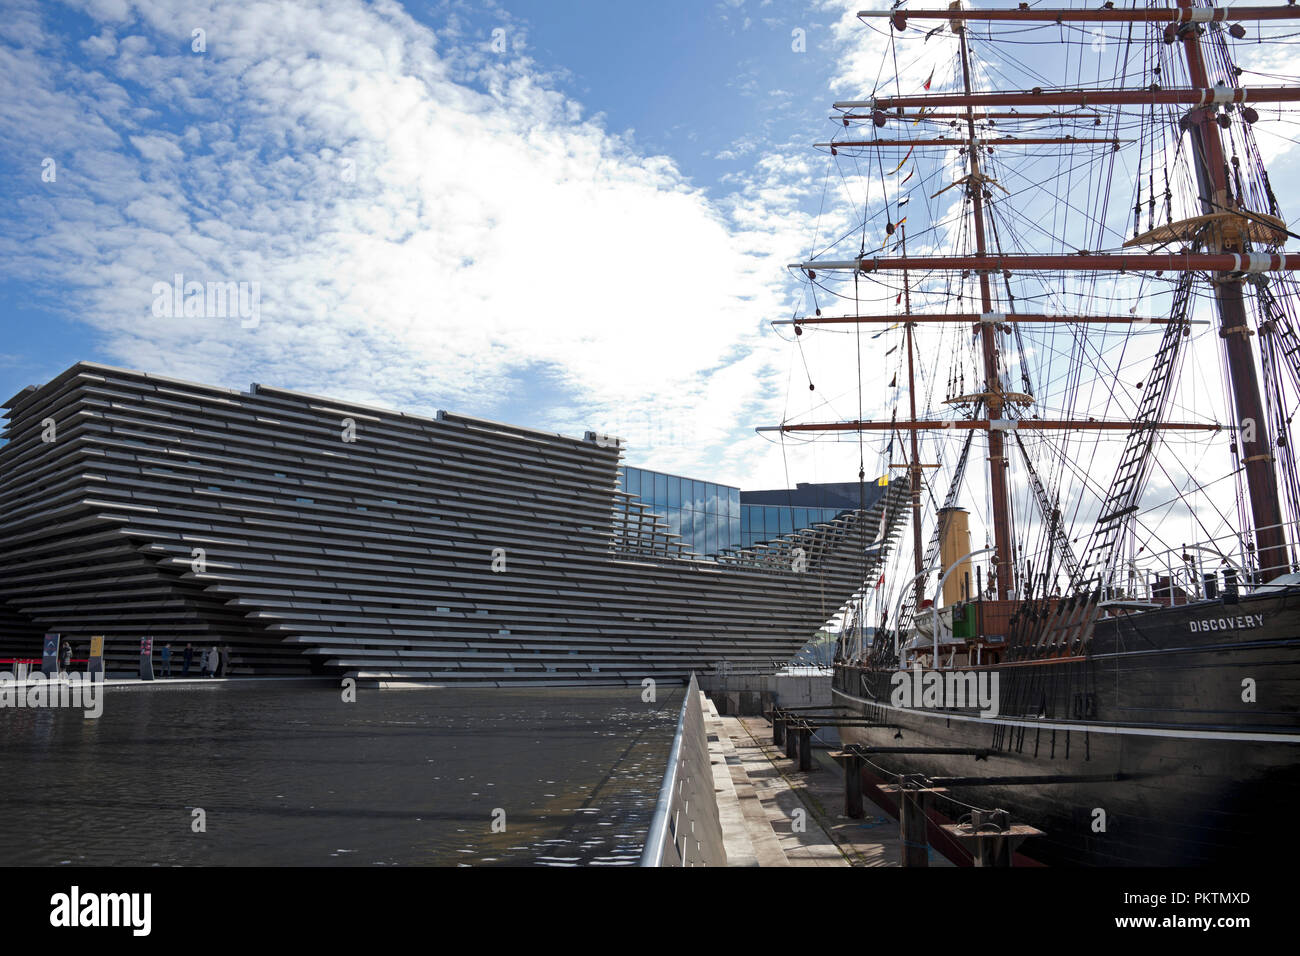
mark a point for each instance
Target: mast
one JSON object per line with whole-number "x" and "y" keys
{"x": 1256, "y": 445}
{"x": 915, "y": 467}
{"x": 1226, "y": 232}
{"x": 998, "y": 489}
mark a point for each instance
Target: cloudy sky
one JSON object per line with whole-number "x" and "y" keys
{"x": 565, "y": 215}
{"x": 562, "y": 215}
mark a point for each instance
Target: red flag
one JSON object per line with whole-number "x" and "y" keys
{"x": 927, "y": 82}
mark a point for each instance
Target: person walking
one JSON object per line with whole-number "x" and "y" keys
{"x": 167, "y": 660}
{"x": 214, "y": 661}
{"x": 65, "y": 656}
{"x": 189, "y": 659}
{"x": 225, "y": 661}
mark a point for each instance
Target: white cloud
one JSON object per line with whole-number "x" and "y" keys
{"x": 430, "y": 223}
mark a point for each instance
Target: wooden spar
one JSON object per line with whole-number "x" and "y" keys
{"x": 1019, "y": 318}
{"x": 1180, "y": 14}
{"x": 994, "y": 426}
{"x": 1004, "y": 141}
{"x": 1099, "y": 262}
{"x": 999, "y": 486}
{"x": 1195, "y": 96}
{"x": 980, "y": 118}
{"x": 1257, "y": 454}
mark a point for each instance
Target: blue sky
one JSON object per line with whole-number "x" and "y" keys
{"x": 643, "y": 304}
{"x": 563, "y": 215}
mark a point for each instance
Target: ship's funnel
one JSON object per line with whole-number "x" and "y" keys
{"x": 954, "y": 524}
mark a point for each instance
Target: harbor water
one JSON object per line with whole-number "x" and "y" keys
{"x": 278, "y": 774}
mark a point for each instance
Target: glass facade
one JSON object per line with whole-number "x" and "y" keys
{"x": 710, "y": 517}
{"x": 759, "y": 523}
{"x": 705, "y": 514}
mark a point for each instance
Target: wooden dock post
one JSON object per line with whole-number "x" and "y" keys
{"x": 913, "y": 818}
{"x": 852, "y": 764}
{"x": 791, "y": 742}
{"x": 991, "y": 837}
{"x": 805, "y": 748}
{"x": 778, "y": 727}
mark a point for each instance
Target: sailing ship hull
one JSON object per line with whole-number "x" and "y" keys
{"x": 1174, "y": 741}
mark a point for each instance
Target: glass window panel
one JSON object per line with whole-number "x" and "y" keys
{"x": 744, "y": 520}
{"x": 733, "y": 538}
{"x": 785, "y": 521}
{"x": 674, "y": 492}
{"x": 633, "y": 481}
{"x": 801, "y": 517}
{"x": 661, "y": 489}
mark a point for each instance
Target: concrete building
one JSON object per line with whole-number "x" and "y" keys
{"x": 316, "y": 536}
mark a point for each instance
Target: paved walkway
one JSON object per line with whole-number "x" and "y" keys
{"x": 773, "y": 815}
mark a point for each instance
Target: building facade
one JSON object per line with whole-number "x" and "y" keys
{"x": 309, "y": 535}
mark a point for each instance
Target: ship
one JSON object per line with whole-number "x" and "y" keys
{"x": 1115, "y": 670}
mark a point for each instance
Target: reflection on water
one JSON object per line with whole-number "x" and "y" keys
{"x": 291, "y": 775}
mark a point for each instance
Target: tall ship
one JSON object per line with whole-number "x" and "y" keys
{"x": 1060, "y": 278}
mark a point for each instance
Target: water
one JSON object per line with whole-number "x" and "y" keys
{"x": 290, "y": 775}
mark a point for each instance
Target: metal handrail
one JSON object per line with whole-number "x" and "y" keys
{"x": 687, "y": 804}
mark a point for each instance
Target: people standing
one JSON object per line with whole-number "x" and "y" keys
{"x": 189, "y": 659}
{"x": 214, "y": 661}
{"x": 225, "y": 661}
{"x": 65, "y": 657}
{"x": 167, "y": 660}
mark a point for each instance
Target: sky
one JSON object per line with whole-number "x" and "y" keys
{"x": 567, "y": 216}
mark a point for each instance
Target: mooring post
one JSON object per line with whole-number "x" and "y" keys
{"x": 991, "y": 836}
{"x": 805, "y": 748}
{"x": 853, "y": 787}
{"x": 778, "y": 727}
{"x": 792, "y": 740}
{"x": 912, "y": 805}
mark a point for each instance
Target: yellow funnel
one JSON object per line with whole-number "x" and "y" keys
{"x": 953, "y": 544}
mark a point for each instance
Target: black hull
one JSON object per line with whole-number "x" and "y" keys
{"x": 1150, "y": 728}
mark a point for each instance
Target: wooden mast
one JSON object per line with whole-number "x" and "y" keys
{"x": 998, "y": 487}
{"x": 1256, "y": 445}
{"x": 915, "y": 468}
